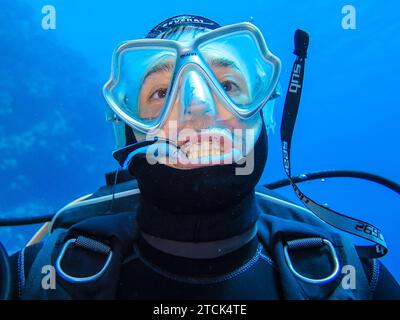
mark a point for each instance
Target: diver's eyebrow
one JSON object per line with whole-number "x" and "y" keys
{"x": 160, "y": 67}
{"x": 222, "y": 63}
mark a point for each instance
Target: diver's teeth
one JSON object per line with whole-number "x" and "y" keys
{"x": 193, "y": 155}
{"x": 205, "y": 153}
{"x": 204, "y": 149}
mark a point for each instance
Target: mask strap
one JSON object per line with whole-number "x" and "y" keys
{"x": 340, "y": 221}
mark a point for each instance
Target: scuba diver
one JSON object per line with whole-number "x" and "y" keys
{"x": 184, "y": 218}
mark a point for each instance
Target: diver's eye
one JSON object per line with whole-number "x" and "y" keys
{"x": 231, "y": 87}
{"x": 159, "y": 94}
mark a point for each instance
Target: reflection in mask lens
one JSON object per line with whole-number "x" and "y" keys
{"x": 240, "y": 68}
{"x": 144, "y": 82}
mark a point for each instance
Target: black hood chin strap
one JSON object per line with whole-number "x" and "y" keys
{"x": 340, "y": 221}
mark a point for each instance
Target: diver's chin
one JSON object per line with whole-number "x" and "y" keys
{"x": 185, "y": 163}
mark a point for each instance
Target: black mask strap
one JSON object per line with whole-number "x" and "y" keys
{"x": 340, "y": 221}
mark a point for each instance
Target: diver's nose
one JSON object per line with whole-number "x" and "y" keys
{"x": 196, "y": 96}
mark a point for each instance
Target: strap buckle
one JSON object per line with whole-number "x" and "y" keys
{"x": 309, "y": 243}
{"x": 88, "y": 244}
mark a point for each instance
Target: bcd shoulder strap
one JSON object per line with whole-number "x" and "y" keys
{"x": 87, "y": 259}
{"x": 314, "y": 261}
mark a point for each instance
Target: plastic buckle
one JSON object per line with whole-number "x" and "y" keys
{"x": 311, "y": 243}
{"x": 88, "y": 244}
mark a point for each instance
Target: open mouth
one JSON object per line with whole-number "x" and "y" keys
{"x": 209, "y": 147}
{"x": 213, "y": 146}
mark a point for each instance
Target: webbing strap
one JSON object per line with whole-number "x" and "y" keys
{"x": 340, "y": 221}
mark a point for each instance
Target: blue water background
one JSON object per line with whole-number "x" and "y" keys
{"x": 56, "y": 146}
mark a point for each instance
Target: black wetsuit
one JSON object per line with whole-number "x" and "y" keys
{"x": 256, "y": 279}
{"x": 247, "y": 273}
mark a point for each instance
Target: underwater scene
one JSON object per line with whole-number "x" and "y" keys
{"x": 56, "y": 144}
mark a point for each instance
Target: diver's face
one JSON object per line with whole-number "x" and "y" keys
{"x": 206, "y": 131}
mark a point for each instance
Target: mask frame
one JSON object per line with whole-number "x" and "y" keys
{"x": 188, "y": 57}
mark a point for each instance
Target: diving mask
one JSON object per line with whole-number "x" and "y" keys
{"x": 230, "y": 65}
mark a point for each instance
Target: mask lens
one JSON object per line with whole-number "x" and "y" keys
{"x": 244, "y": 73}
{"x": 144, "y": 82}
